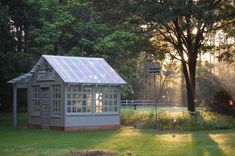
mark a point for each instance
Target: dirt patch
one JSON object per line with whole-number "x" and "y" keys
{"x": 91, "y": 153}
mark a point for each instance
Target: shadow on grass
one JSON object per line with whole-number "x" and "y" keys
{"x": 125, "y": 141}
{"x": 28, "y": 141}
{"x": 203, "y": 144}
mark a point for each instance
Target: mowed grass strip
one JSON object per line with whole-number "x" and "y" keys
{"x": 125, "y": 141}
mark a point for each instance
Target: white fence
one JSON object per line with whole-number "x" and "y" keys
{"x": 144, "y": 103}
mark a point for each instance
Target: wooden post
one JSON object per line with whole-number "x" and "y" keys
{"x": 155, "y": 100}
{"x": 93, "y": 99}
{"x": 14, "y": 106}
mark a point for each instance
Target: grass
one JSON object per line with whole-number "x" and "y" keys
{"x": 125, "y": 141}
{"x": 6, "y": 119}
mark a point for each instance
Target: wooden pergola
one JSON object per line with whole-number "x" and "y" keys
{"x": 18, "y": 82}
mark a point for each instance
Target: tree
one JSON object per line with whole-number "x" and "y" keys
{"x": 183, "y": 26}
{"x": 30, "y": 28}
{"x": 207, "y": 84}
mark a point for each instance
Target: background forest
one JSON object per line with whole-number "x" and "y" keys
{"x": 30, "y": 28}
{"x": 109, "y": 29}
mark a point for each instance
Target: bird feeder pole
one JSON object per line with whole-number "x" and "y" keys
{"x": 154, "y": 69}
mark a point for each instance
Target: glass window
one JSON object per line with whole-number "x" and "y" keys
{"x": 35, "y": 100}
{"x": 106, "y": 100}
{"x": 56, "y": 101}
{"x": 81, "y": 99}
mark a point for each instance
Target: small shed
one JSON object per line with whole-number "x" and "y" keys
{"x": 71, "y": 93}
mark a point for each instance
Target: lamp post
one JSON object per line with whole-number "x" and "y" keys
{"x": 154, "y": 69}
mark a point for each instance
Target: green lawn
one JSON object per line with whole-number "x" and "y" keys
{"x": 6, "y": 119}
{"x": 125, "y": 141}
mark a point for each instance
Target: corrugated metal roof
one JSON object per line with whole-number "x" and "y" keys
{"x": 21, "y": 79}
{"x": 83, "y": 70}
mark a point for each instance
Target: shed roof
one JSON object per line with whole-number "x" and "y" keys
{"x": 21, "y": 79}
{"x": 82, "y": 69}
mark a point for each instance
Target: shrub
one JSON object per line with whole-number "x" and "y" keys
{"x": 220, "y": 103}
{"x": 131, "y": 118}
{"x": 207, "y": 121}
{"x": 182, "y": 121}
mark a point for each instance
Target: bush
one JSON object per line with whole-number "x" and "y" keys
{"x": 220, "y": 103}
{"x": 206, "y": 121}
{"x": 131, "y": 118}
{"x": 182, "y": 121}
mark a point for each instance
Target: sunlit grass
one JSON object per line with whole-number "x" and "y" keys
{"x": 225, "y": 143}
{"x": 125, "y": 141}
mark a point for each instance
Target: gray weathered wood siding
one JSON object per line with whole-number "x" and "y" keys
{"x": 36, "y": 120}
{"x": 71, "y": 120}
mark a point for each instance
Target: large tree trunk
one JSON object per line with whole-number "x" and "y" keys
{"x": 19, "y": 37}
{"x": 189, "y": 75}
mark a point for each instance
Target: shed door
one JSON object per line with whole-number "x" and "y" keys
{"x": 45, "y": 107}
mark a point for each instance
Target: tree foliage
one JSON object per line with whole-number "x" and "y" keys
{"x": 30, "y": 28}
{"x": 118, "y": 33}
{"x": 183, "y": 25}
{"x": 222, "y": 102}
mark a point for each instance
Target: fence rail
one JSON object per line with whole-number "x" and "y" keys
{"x": 144, "y": 103}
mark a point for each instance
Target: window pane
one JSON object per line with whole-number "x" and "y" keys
{"x": 110, "y": 96}
{"x": 88, "y": 96}
{"x": 79, "y": 109}
{"x": 69, "y": 103}
{"x": 106, "y": 109}
{"x": 98, "y": 109}
{"x": 56, "y": 100}
{"x": 106, "y": 102}
{"x": 111, "y": 109}
{"x": 35, "y": 100}
{"x": 74, "y": 89}
{"x": 106, "y": 99}
{"x": 84, "y": 102}
{"x": 89, "y": 105}
{"x": 84, "y": 109}
{"x": 80, "y": 96}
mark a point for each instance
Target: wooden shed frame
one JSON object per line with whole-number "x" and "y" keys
{"x": 70, "y": 93}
